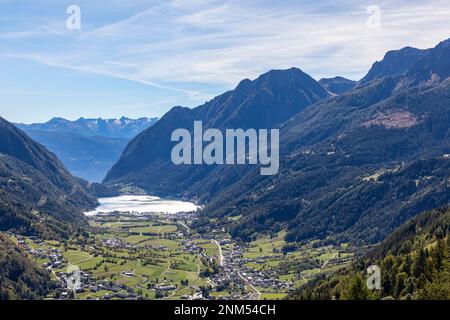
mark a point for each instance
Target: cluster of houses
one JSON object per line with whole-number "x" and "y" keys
{"x": 56, "y": 259}
{"x": 115, "y": 243}
{"x": 87, "y": 282}
{"x": 165, "y": 287}
{"x": 192, "y": 247}
{"x": 266, "y": 279}
{"x": 234, "y": 271}
{"x": 91, "y": 284}
{"x": 54, "y": 256}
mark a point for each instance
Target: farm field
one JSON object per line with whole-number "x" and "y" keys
{"x": 293, "y": 264}
{"x": 125, "y": 256}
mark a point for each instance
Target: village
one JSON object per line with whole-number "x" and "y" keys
{"x": 224, "y": 268}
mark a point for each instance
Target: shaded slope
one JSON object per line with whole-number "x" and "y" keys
{"x": 37, "y": 193}
{"x": 20, "y": 279}
{"x": 329, "y": 148}
{"x": 112, "y": 128}
{"x": 263, "y": 103}
{"x": 87, "y": 157}
{"x": 394, "y": 63}
{"x": 337, "y": 85}
{"x": 414, "y": 261}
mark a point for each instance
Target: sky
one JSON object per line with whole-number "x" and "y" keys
{"x": 140, "y": 58}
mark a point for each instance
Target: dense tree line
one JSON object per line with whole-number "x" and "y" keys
{"x": 414, "y": 262}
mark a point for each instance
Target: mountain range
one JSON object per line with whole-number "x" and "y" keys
{"x": 353, "y": 165}
{"x": 265, "y": 102}
{"x": 124, "y": 128}
{"x": 359, "y": 163}
{"x": 87, "y": 147}
{"x": 20, "y": 278}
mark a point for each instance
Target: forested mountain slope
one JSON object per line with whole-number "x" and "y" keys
{"x": 20, "y": 278}
{"x": 87, "y": 147}
{"x": 124, "y": 128}
{"x": 264, "y": 103}
{"x": 414, "y": 262}
{"x": 353, "y": 167}
{"x": 37, "y": 194}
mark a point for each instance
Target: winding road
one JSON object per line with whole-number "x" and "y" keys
{"x": 221, "y": 257}
{"x": 326, "y": 262}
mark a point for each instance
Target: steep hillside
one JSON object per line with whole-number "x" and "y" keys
{"x": 263, "y": 103}
{"x": 414, "y": 262}
{"x": 325, "y": 188}
{"x": 37, "y": 194}
{"x": 332, "y": 155}
{"x": 337, "y": 85}
{"x": 353, "y": 167}
{"x": 394, "y": 63}
{"x": 87, "y": 147}
{"x": 434, "y": 67}
{"x": 20, "y": 279}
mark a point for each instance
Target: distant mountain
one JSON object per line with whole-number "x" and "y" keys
{"x": 434, "y": 67}
{"x": 111, "y": 128}
{"x": 87, "y": 147}
{"x": 337, "y": 85}
{"x": 38, "y": 196}
{"x": 266, "y": 102}
{"x": 356, "y": 166}
{"x": 89, "y": 158}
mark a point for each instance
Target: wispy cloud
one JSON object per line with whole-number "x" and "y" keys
{"x": 183, "y": 46}
{"x": 222, "y": 42}
{"x": 111, "y": 69}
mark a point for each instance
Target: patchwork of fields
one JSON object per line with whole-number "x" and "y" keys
{"x": 159, "y": 257}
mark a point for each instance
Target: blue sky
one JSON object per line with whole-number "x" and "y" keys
{"x": 142, "y": 57}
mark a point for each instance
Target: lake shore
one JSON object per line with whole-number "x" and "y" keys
{"x": 142, "y": 204}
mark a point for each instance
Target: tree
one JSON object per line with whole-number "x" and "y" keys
{"x": 357, "y": 290}
{"x": 438, "y": 289}
{"x": 400, "y": 284}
